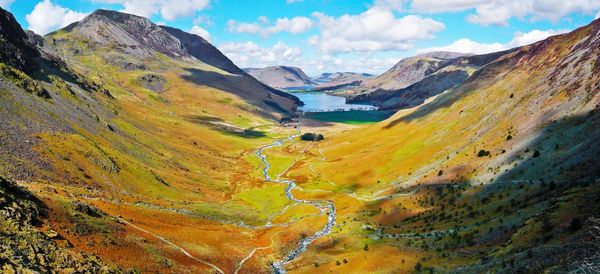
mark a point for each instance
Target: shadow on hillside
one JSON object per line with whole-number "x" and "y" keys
{"x": 542, "y": 203}
{"x": 219, "y": 125}
{"x": 568, "y": 148}
{"x": 241, "y": 86}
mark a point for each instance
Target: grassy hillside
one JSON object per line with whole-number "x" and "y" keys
{"x": 498, "y": 173}
{"x": 158, "y": 144}
{"x": 136, "y": 156}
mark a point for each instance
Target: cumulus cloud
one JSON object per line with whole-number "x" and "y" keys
{"x": 250, "y": 54}
{"x": 5, "y": 4}
{"x": 376, "y": 29}
{"x": 361, "y": 64}
{"x": 498, "y": 12}
{"x": 296, "y": 25}
{"x": 47, "y": 16}
{"x": 200, "y": 31}
{"x": 167, "y": 9}
{"x": 495, "y": 13}
{"x": 520, "y": 39}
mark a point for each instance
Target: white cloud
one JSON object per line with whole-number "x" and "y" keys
{"x": 398, "y": 5}
{"x": 598, "y": 15}
{"x": 520, "y": 39}
{"x": 498, "y": 12}
{"x": 376, "y": 29}
{"x": 250, "y": 54}
{"x": 293, "y": 1}
{"x": 200, "y": 31}
{"x": 352, "y": 62}
{"x": 467, "y": 46}
{"x": 167, "y": 9}
{"x": 5, "y": 4}
{"x": 296, "y": 25}
{"x": 47, "y": 16}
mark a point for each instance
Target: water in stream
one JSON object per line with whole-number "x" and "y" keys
{"x": 325, "y": 207}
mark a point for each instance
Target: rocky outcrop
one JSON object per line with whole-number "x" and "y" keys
{"x": 15, "y": 47}
{"x": 24, "y": 248}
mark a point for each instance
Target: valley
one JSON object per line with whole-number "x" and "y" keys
{"x": 131, "y": 147}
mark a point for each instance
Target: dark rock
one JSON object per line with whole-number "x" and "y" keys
{"x": 153, "y": 82}
{"x": 88, "y": 209}
{"x": 15, "y": 47}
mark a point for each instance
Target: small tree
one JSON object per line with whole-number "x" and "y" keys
{"x": 312, "y": 137}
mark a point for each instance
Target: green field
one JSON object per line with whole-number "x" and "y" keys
{"x": 350, "y": 117}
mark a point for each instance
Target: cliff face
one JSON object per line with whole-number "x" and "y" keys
{"x": 15, "y": 48}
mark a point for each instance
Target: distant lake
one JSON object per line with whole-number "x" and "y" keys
{"x": 318, "y": 102}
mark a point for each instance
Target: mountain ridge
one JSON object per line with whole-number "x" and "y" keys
{"x": 281, "y": 77}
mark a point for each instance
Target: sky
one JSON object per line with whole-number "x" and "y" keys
{"x": 334, "y": 35}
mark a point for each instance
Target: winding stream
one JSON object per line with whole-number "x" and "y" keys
{"x": 324, "y": 206}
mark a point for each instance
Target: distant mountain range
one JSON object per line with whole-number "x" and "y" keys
{"x": 293, "y": 78}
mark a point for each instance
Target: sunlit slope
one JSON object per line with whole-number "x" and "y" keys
{"x": 539, "y": 98}
{"x": 160, "y": 142}
{"x": 497, "y": 175}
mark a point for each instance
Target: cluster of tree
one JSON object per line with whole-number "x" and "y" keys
{"x": 312, "y": 137}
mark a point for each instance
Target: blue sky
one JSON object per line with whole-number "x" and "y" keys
{"x": 334, "y": 35}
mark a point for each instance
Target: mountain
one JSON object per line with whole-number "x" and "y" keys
{"x": 281, "y": 77}
{"x": 204, "y": 51}
{"x": 137, "y": 39}
{"x": 112, "y": 125}
{"x": 339, "y": 80}
{"x": 15, "y": 47}
{"x": 499, "y": 172}
{"x": 425, "y": 76}
{"x": 407, "y": 72}
{"x": 113, "y": 148}
{"x": 329, "y": 76}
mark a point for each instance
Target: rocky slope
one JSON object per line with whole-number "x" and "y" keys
{"x": 281, "y": 77}
{"x": 413, "y": 80}
{"x": 339, "y": 81}
{"x": 129, "y": 41}
{"x": 24, "y": 248}
{"x": 407, "y": 72}
{"x": 15, "y": 48}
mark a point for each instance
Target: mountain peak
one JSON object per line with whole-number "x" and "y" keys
{"x": 133, "y": 34}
